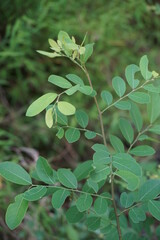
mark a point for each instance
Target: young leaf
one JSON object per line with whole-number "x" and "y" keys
{"x": 139, "y": 97}
{"x": 126, "y": 200}
{"x": 126, "y": 129}
{"x": 142, "y": 151}
{"x": 136, "y": 116}
{"x": 82, "y": 118}
{"x": 137, "y": 215}
{"x": 16, "y": 212}
{"x": 35, "y": 193}
{"x": 59, "y": 197}
{"x": 40, "y": 104}
{"x": 59, "y": 81}
{"x": 14, "y": 173}
{"x": 88, "y": 52}
{"x": 100, "y": 206}
{"x": 66, "y": 108}
{"x": 119, "y": 86}
{"x": 84, "y": 202}
{"x": 73, "y": 215}
{"x": 44, "y": 171}
{"x": 75, "y": 79}
{"x": 83, "y": 170}
{"x": 49, "y": 118}
{"x": 144, "y": 68}
{"x": 107, "y": 97}
{"x": 67, "y": 178}
{"x": 154, "y": 209}
{"x": 90, "y": 134}
{"x": 93, "y": 223}
{"x": 72, "y": 135}
{"x": 49, "y": 54}
{"x": 63, "y": 36}
{"x": 131, "y": 179}
{"x": 153, "y": 107}
{"x": 149, "y": 190}
{"x": 123, "y": 105}
{"x": 116, "y": 143}
{"x": 54, "y": 45}
{"x": 129, "y": 73}
{"x": 123, "y": 161}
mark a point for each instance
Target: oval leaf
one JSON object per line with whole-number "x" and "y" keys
{"x": 144, "y": 68}
{"x": 119, "y": 86}
{"x": 72, "y": 135}
{"x": 84, "y": 202}
{"x": 59, "y": 197}
{"x": 82, "y": 118}
{"x": 126, "y": 129}
{"x": 40, "y": 104}
{"x": 35, "y": 193}
{"x": 67, "y": 178}
{"x": 66, "y": 108}
{"x": 14, "y": 173}
{"x": 59, "y": 81}
{"x": 139, "y": 97}
{"x": 142, "y": 151}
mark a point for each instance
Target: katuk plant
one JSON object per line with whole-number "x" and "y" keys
{"x": 113, "y": 163}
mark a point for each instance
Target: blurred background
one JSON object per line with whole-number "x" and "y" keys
{"x": 122, "y": 31}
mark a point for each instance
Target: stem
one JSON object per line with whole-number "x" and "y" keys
{"x": 104, "y": 140}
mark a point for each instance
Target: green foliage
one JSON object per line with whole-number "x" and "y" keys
{"x": 101, "y": 211}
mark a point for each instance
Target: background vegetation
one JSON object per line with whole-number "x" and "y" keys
{"x": 123, "y": 31}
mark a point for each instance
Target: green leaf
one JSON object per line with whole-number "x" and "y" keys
{"x": 87, "y": 90}
{"x": 59, "y": 197}
{"x": 101, "y": 158}
{"x": 73, "y": 215}
{"x": 131, "y": 179}
{"x": 92, "y": 184}
{"x": 66, "y": 108}
{"x": 90, "y": 134}
{"x": 100, "y": 148}
{"x": 16, "y": 212}
{"x": 35, "y": 193}
{"x": 155, "y": 129}
{"x": 72, "y": 90}
{"x": 107, "y": 97}
{"x": 154, "y": 209}
{"x": 49, "y": 118}
{"x": 119, "y": 86}
{"x": 60, "y": 133}
{"x": 75, "y": 79}
{"x": 59, "y": 81}
{"x": 143, "y": 151}
{"x": 49, "y": 54}
{"x": 60, "y": 117}
{"x": 72, "y": 135}
{"x": 144, "y": 68}
{"x": 126, "y": 129}
{"x": 82, "y": 118}
{"x": 126, "y": 200}
{"x": 93, "y": 223}
{"x": 45, "y": 172}
{"x": 137, "y": 215}
{"x": 63, "y": 36}
{"x": 84, "y": 202}
{"x": 123, "y": 105}
{"x": 136, "y": 116}
{"x": 83, "y": 170}
{"x": 14, "y": 173}
{"x": 123, "y": 161}
{"x": 130, "y": 75}
{"x": 116, "y": 143}
{"x": 40, "y": 104}
{"x": 139, "y": 97}
{"x": 153, "y": 107}
{"x": 88, "y": 52}
{"x": 67, "y": 178}
{"x": 152, "y": 88}
{"x": 149, "y": 190}
{"x": 54, "y": 45}
{"x": 100, "y": 173}
{"x": 100, "y": 206}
